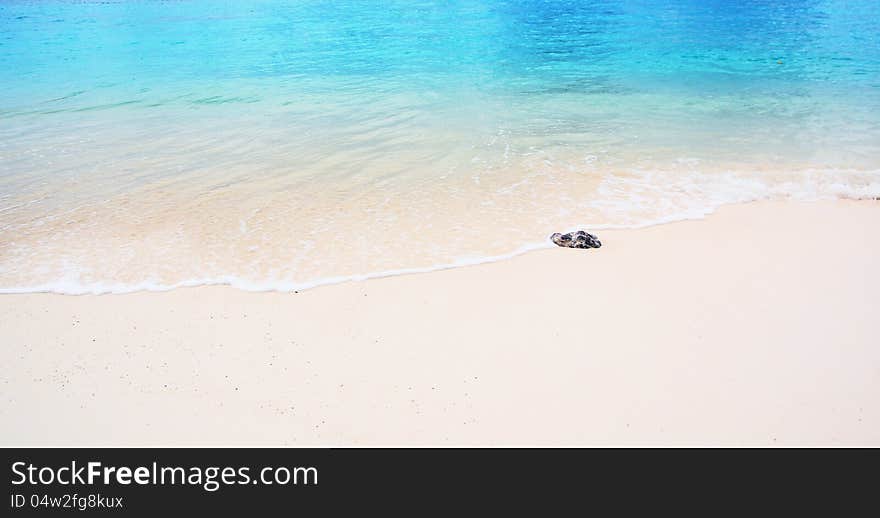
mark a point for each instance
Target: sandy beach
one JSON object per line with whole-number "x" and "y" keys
{"x": 754, "y": 326}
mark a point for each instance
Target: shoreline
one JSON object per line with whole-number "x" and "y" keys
{"x": 751, "y": 326}
{"x": 281, "y": 286}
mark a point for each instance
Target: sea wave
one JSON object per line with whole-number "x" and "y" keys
{"x": 643, "y": 188}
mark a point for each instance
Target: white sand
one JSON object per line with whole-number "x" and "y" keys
{"x": 755, "y": 326}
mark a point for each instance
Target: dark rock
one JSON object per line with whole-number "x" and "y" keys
{"x": 579, "y": 239}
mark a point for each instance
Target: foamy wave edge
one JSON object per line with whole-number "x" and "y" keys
{"x": 871, "y": 192}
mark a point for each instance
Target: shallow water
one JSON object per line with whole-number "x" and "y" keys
{"x": 276, "y": 145}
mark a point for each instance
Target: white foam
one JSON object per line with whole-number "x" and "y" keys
{"x": 74, "y": 288}
{"x": 703, "y": 196}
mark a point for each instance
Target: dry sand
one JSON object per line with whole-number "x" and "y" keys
{"x": 755, "y": 326}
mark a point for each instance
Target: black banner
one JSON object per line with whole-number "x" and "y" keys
{"x": 135, "y": 482}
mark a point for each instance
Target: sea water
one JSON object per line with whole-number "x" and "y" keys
{"x": 274, "y": 144}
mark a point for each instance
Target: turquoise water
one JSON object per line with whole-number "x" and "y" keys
{"x": 282, "y": 144}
